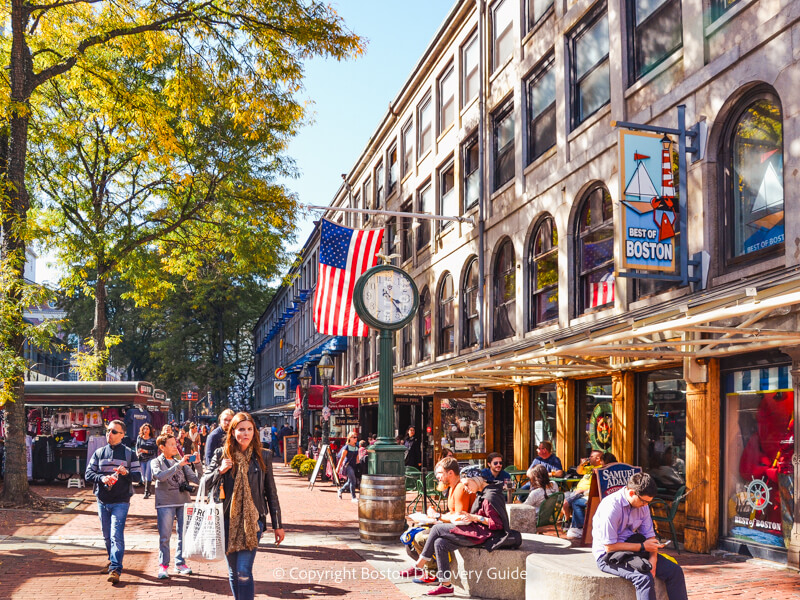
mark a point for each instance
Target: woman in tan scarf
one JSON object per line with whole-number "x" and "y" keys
{"x": 243, "y": 471}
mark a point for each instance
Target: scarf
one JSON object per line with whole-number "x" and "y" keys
{"x": 243, "y": 528}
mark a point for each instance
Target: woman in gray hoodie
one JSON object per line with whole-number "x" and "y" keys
{"x": 172, "y": 474}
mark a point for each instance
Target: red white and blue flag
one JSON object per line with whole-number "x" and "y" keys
{"x": 345, "y": 254}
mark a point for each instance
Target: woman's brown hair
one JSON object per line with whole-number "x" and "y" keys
{"x": 231, "y": 445}
{"x": 148, "y": 427}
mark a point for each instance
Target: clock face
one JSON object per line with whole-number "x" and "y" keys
{"x": 389, "y": 296}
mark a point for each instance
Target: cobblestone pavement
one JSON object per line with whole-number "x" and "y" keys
{"x": 61, "y": 556}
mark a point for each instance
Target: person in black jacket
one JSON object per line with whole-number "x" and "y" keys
{"x": 413, "y": 453}
{"x": 245, "y": 471}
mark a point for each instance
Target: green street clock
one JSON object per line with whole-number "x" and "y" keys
{"x": 385, "y": 297}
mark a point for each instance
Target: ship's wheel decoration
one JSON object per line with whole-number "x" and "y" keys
{"x": 758, "y": 494}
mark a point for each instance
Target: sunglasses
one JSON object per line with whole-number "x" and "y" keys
{"x": 646, "y": 502}
{"x": 497, "y": 463}
{"x": 114, "y": 431}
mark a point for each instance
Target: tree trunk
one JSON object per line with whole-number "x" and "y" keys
{"x": 100, "y": 328}
{"x": 14, "y": 218}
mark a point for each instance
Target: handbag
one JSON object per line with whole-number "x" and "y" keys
{"x": 203, "y": 528}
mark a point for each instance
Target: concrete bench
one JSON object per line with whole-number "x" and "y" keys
{"x": 573, "y": 575}
{"x": 522, "y": 517}
{"x": 501, "y": 574}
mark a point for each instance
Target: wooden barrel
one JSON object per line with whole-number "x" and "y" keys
{"x": 382, "y": 508}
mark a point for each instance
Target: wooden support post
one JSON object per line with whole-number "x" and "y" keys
{"x": 703, "y": 461}
{"x": 623, "y": 391}
{"x": 565, "y": 421}
{"x": 522, "y": 426}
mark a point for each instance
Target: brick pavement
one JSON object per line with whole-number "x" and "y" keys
{"x": 60, "y": 556}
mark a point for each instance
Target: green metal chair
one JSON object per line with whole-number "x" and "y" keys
{"x": 412, "y": 485}
{"x": 670, "y": 508}
{"x": 549, "y": 511}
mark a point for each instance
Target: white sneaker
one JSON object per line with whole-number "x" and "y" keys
{"x": 183, "y": 570}
{"x": 574, "y": 533}
{"x": 354, "y": 500}
{"x": 162, "y": 572}
{"x": 339, "y": 493}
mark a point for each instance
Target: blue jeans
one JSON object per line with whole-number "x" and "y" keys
{"x": 578, "y": 512}
{"x": 112, "y": 521}
{"x": 166, "y": 518}
{"x": 147, "y": 472}
{"x": 666, "y": 570}
{"x": 351, "y": 481}
{"x": 240, "y": 569}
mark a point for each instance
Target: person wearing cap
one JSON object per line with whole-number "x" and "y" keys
{"x": 483, "y": 526}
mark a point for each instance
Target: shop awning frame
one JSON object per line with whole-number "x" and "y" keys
{"x": 696, "y": 327}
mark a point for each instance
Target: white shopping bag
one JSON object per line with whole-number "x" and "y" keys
{"x": 203, "y": 528}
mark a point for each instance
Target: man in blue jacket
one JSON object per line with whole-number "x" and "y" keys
{"x": 113, "y": 469}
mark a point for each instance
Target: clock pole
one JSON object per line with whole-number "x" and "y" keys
{"x": 388, "y": 457}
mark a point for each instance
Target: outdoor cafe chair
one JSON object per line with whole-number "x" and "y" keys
{"x": 670, "y": 508}
{"x": 549, "y": 511}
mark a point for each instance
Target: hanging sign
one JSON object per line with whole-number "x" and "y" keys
{"x": 280, "y": 373}
{"x": 649, "y": 202}
{"x": 279, "y": 389}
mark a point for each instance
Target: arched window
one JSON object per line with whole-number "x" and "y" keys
{"x": 752, "y": 176}
{"x": 447, "y": 329}
{"x": 543, "y": 273}
{"x": 595, "y": 251}
{"x": 424, "y": 324}
{"x": 469, "y": 304}
{"x": 505, "y": 292}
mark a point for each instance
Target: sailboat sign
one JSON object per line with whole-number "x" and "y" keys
{"x": 649, "y": 202}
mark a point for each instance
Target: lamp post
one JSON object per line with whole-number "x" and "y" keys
{"x": 325, "y": 368}
{"x": 305, "y": 383}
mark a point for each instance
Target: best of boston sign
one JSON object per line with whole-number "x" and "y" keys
{"x": 649, "y": 202}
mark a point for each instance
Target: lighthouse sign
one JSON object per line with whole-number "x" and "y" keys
{"x": 649, "y": 203}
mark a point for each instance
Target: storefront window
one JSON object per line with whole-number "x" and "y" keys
{"x": 662, "y": 428}
{"x": 464, "y": 425}
{"x": 758, "y": 449}
{"x": 543, "y": 416}
{"x": 595, "y": 416}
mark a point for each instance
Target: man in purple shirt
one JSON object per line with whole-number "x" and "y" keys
{"x": 623, "y": 523}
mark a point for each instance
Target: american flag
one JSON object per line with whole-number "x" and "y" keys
{"x": 344, "y": 255}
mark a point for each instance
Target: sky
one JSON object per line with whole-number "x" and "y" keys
{"x": 348, "y": 98}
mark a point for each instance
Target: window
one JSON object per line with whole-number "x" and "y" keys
{"x": 543, "y": 401}
{"x": 448, "y": 201}
{"x": 590, "y": 82}
{"x": 657, "y": 31}
{"x": 470, "y": 56}
{"x": 357, "y": 218}
{"x": 595, "y": 252}
{"x": 720, "y": 7}
{"x": 356, "y": 355}
{"x": 537, "y": 9}
{"x": 447, "y": 99}
{"x": 471, "y": 172}
{"x": 425, "y": 325}
{"x": 367, "y": 198}
{"x": 543, "y": 273}
{"x": 502, "y": 32}
{"x": 406, "y": 246}
{"x": 594, "y": 416}
{"x": 365, "y": 348}
{"x": 447, "y": 329}
{"x": 392, "y": 168}
{"x": 379, "y": 179}
{"x": 408, "y": 147}
{"x": 394, "y": 239}
{"x": 406, "y": 348}
{"x": 469, "y": 300}
{"x": 542, "y": 111}
{"x": 752, "y": 177}
{"x": 503, "y": 139}
{"x": 425, "y": 124}
{"x": 505, "y": 292}
{"x": 425, "y": 205}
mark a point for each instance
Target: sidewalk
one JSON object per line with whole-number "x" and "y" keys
{"x": 60, "y": 556}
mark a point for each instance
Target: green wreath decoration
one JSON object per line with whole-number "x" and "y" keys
{"x": 601, "y": 427}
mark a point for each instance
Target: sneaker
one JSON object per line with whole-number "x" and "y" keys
{"x": 162, "y": 572}
{"x": 183, "y": 570}
{"x": 574, "y": 533}
{"x": 113, "y": 577}
{"x": 426, "y": 579}
{"x": 412, "y": 572}
{"x": 354, "y": 500}
{"x": 339, "y": 493}
{"x": 442, "y": 590}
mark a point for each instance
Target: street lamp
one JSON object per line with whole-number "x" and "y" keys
{"x": 325, "y": 368}
{"x": 305, "y": 383}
